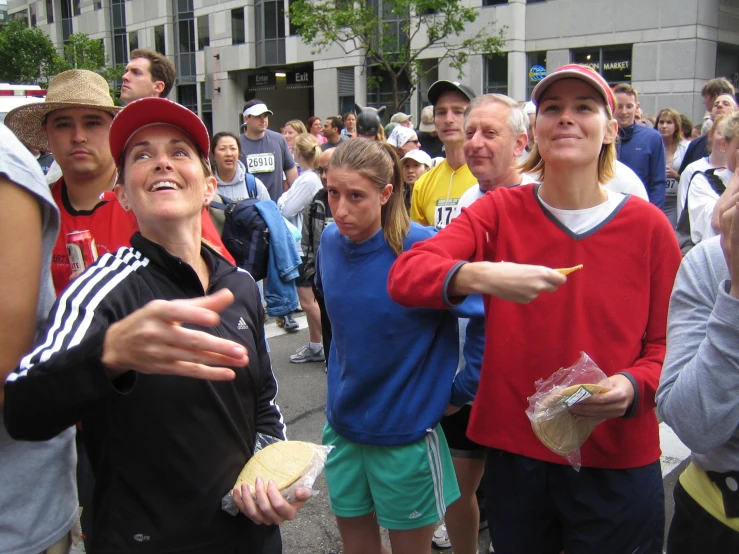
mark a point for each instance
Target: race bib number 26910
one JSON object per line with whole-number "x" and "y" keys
{"x": 260, "y": 163}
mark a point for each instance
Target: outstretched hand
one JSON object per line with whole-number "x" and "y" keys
{"x": 153, "y": 340}
{"x": 519, "y": 283}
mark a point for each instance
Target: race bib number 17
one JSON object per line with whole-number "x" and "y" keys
{"x": 446, "y": 210}
{"x": 260, "y": 163}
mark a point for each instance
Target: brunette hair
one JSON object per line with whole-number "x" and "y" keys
{"x": 378, "y": 162}
{"x": 161, "y": 68}
{"x": 606, "y": 159}
{"x": 309, "y": 148}
{"x": 626, "y": 88}
{"x": 675, "y": 117}
{"x": 717, "y": 87}
{"x": 686, "y": 126}
{"x": 296, "y": 124}
{"x": 311, "y": 120}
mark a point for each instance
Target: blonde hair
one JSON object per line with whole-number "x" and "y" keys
{"x": 296, "y": 124}
{"x": 729, "y": 127}
{"x": 378, "y": 162}
{"x": 309, "y": 149}
{"x": 606, "y": 159}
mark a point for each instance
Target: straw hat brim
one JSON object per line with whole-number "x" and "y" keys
{"x": 27, "y": 121}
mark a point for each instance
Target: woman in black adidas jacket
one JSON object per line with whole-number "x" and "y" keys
{"x": 159, "y": 350}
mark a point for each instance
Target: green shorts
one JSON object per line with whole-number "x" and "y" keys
{"x": 408, "y": 486}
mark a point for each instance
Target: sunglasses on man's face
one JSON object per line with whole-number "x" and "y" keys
{"x": 321, "y": 170}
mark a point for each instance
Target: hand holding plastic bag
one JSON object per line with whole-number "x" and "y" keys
{"x": 549, "y": 408}
{"x": 313, "y": 459}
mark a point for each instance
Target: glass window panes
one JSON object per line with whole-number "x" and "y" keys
{"x": 50, "y": 11}
{"x": 119, "y": 49}
{"x": 238, "y": 33}
{"x": 203, "y": 31}
{"x": 160, "y": 43}
{"x": 496, "y": 74}
{"x": 612, "y": 62}
{"x": 77, "y": 10}
{"x": 133, "y": 41}
{"x": 494, "y": 2}
{"x": 187, "y": 95}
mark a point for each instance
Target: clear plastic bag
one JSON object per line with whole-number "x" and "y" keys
{"x": 309, "y": 476}
{"x": 552, "y": 422}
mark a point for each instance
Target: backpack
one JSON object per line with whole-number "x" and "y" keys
{"x": 683, "y": 225}
{"x": 245, "y": 233}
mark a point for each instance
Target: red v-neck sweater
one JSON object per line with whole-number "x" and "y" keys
{"x": 614, "y": 309}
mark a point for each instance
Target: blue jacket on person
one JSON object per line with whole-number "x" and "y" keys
{"x": 391, "y": 370}
{"x": 280, "y": 291}
{"x": 641, "y": 149}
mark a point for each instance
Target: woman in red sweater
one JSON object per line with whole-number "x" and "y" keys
{"x": 614, "y": 309}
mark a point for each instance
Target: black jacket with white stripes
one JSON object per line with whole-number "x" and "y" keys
{"x": 165, "y": 449}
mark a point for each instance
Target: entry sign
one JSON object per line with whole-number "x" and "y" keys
{"x": 537, "y": 73}
{"x": 300, "y": 78}
{"x": 261, "y": 80}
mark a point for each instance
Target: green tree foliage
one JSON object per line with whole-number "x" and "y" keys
{"x": 27, "y": 55}
{"x": 83, "y": 52}
{"x": 397, "y": 35}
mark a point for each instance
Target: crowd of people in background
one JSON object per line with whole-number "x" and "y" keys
{"x": 443, "y": 235}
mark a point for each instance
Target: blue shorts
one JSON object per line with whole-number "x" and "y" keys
{"x": 536, "y": 507}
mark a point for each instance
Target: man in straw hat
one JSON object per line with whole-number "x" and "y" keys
{"x": 73, "y": 123}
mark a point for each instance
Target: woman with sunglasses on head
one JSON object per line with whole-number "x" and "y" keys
{"x": 537, "y": 320}
{"x": 145, "y": 350}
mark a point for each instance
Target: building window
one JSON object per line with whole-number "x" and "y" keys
{"x": 203, "y": 31}
{"x": 494, "y": 2}
{"x": 49, "y": 11}
{"x": 77, "y": 8}
{"x": 187, "y": 95}
{"x": 727, "y": 63}
{"x": 238, "y": 33}
{"x": 32, "y": 14}
{"x": 380, "y": 90}
{"x": 160, "y": 44}
{"x": 270, "y": 32}
{"x": 66, "y": 20}
{"x": 120, "y": 46}
{"x": 346, "y": 89}
{"x": 133, "y": 41}
{"x": 98, "y": 4}
{"x": 20, "y": 16}
{"x": 496, "y": 74}
{"x": 612, "y": 62}
{"x": 537, "y": 70}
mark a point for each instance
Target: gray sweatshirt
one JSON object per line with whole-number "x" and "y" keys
{"x": 698, "y": 391}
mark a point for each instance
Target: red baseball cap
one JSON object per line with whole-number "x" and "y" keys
{"x": 154, "y": 111}
{"x": 576, "y": 71}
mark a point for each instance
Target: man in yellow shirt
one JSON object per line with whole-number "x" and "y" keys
{"x": 436, "y": 194}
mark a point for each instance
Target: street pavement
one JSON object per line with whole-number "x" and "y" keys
{"x": 302, "y": 400}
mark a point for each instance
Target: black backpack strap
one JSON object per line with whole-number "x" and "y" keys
{"x": 715, "y": 181}
{"x": 218, "y": 206}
